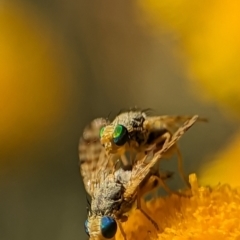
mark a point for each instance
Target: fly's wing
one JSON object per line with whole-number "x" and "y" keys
{"x": 142, "y": 170}
{"x": 168, "y": 123}
{"x": 93, "y": 160}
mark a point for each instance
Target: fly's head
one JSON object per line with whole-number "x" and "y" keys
{"x": 114, "y": 138}
{"x": 101, "y": 227}
{"x": 107, "y": 198}
{"x": 123, "y": 132}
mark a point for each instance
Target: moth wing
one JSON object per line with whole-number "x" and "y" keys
{"x": 93, "y": 160}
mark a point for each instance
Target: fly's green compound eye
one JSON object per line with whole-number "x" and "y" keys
{"x": 101, "y": 131}
{"x": 120, "y": 135}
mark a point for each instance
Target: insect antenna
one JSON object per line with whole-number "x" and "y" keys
{"x": 148, "y": 110}
{"x": 145, "y": 110}
{"x": 121, "y": 111}
{"x": 108, "y": 116}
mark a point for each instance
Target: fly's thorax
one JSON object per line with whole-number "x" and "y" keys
{"x": 131, "y": 119}
{"x": 101, "y": 227}
{"x": 134, "y": 125}
{"x": 107, "y": 198}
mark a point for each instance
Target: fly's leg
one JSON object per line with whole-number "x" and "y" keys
{"x": 143, "y": 212}
{"x": 168, "y": 190}
{"x": 180, "y": 167}
{"x": 160, "y": 179}
{"x": 116, "y": 158}
{"x": 180, "y": 159}
{"x": 154, "y": 182}
{"x": 165, "y": 187}
{"x": 124, "y": 160}
{"x": 121, "y": 230}
{"x": 150, "y": 186}
{"x": 158, "y": 182}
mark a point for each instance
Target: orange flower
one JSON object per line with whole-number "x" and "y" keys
{"x": 210, "y": 213}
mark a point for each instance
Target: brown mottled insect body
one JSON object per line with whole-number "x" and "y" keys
{"x": 106, "y": 203}
{"x": 134, "y": 131}
{"x": 114, "y": 190}
{"x": 142, "y": 130}
{"x": 107, "y": 197}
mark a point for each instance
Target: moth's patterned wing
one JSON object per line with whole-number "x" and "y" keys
{"x": 141, "y": 169}
{"x": 93, "y": 160}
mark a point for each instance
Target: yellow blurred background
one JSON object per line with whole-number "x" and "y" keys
{"x": 64, "y": 63}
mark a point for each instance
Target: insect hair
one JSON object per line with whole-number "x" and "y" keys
{"x": 108, "y": 116}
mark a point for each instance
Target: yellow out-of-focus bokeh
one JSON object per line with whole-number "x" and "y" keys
{"x": 33, "y": 90}
{"x": 208, "y": 34}
{"x": 224, "y": 166}
{"x": 208, "y": 37}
